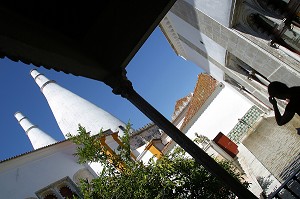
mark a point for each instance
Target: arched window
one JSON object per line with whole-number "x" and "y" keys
{"x": 276, "y": 7}
{"x": 66, "y": 192}
{"x": 63, "y": 188}
{"x": 277, "y": 33}
{"x": 289, "y": 10}
{"x": 262, "y": 25}
{"x": 50, "y": 196}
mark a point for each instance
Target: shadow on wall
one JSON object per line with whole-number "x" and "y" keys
{"x": 190, "y": 41}
{"x": 264, "y": 183}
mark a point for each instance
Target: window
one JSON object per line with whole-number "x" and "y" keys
{"x": 50, "y": 196}
{"x": 66, "y": 192}
{"x": 276, "y": 7}
{"x": 261, "y": 25}
{"x": 64, "y": 188}
{"x": 286, "y": 36}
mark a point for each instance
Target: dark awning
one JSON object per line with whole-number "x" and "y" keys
{"x": 86, "y": 38}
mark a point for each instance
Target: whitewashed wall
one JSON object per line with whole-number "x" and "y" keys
{"x": 208, "y": 46}
{"x": 23, "y": 176}
{"x": 219, "y": 10}
{"x": 221, "y": 115}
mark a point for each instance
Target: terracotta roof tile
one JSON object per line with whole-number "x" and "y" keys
{"x": 205, "y": 86}
{"x": 180, "y": 104}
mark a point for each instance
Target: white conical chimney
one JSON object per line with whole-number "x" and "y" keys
{"x": 70, "y": 110}
{"x": 37, "y": 137}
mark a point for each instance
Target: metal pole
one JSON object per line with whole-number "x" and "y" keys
{"x": 124, "y": 88}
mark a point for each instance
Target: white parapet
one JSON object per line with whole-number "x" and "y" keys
{"x": 37, "y": 137}
{"x": 70, "y": 110}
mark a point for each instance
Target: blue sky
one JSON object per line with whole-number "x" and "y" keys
{"x": 157, "y": 74}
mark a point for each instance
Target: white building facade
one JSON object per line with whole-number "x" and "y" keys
{"x": 247, "y": 45}
{"x": 238, "y": 42}
{"x": 30, "y": 175}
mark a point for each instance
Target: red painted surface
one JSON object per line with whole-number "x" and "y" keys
{"x": 226, "y": 144}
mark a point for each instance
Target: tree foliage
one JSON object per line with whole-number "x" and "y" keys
{"x": 173, "y": 176}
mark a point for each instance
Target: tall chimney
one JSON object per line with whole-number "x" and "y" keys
{"x": 37, "y": 137}
{"x": 70, "y": 109}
